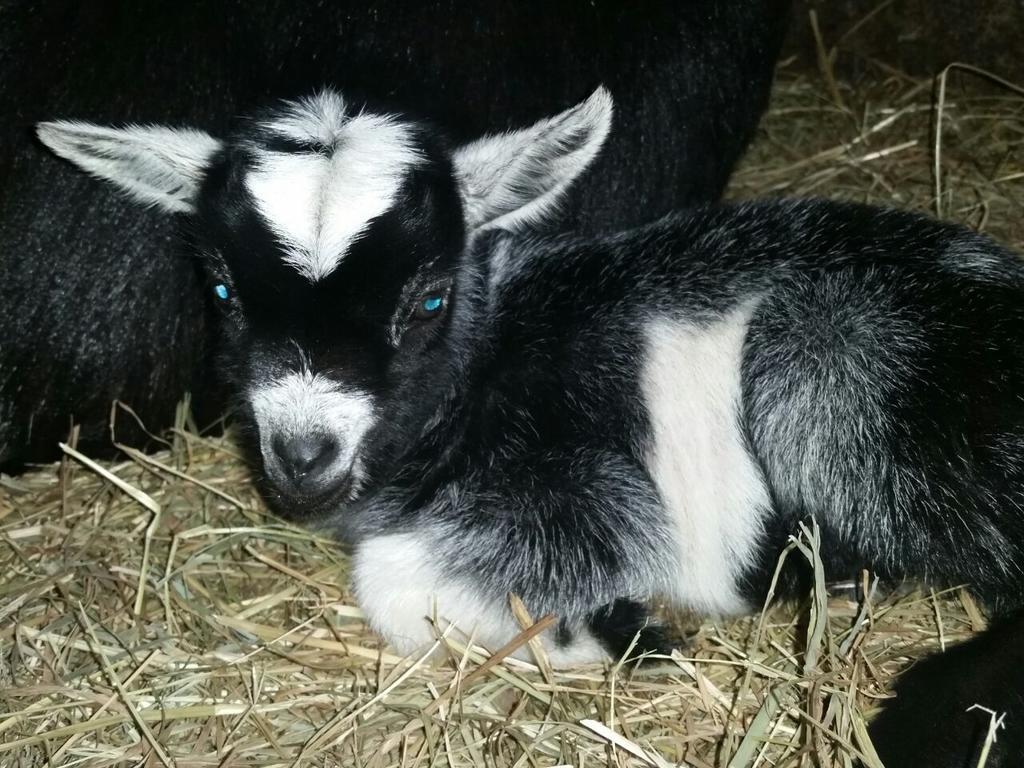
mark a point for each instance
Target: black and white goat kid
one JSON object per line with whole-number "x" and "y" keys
{"x": 590, "y": 422}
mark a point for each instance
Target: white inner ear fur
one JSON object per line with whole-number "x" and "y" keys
{"x": 157, "y": 166}
{"x": 512, "y": 180}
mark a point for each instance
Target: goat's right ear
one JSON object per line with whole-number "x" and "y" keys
{"x": 157, "y": 166}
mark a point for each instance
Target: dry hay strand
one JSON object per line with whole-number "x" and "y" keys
{"x": 151, "y": 613}
{"x": 952, "y": 146}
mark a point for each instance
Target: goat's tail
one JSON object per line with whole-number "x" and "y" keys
{"x": 945, "y": 706}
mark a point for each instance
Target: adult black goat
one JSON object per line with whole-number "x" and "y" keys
{"x": 91, "y": 307}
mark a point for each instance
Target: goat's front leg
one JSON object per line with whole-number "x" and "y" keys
{"x": 409, "y": 597}
{"x": 570, "y": 535}
{"x": 628, "y": 627}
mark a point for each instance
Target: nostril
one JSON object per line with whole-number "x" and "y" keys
{"x": 305, "y": 457}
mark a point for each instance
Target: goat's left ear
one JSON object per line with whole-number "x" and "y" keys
{"x": 511, "y": 180}
{"x": 157, "y": 166}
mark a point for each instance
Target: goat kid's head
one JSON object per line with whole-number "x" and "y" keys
{"x": 335, "y": 243}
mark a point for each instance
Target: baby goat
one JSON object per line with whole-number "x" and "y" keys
{"x": 590, "y": 422}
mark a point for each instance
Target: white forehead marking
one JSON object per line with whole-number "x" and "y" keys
{"x": 319, "y": 203}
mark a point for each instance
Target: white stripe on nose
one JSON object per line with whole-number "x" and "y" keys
{"x": 310, "y": 425}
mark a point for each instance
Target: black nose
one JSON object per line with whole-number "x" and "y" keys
{"x": 304, "y": 459}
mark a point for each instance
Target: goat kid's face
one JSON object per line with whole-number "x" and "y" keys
{"x": 335, "y": 244}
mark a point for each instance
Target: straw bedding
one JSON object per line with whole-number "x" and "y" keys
{"x": 151, "y": 613}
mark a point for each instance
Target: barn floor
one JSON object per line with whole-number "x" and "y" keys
{"x": 152, "y": 614}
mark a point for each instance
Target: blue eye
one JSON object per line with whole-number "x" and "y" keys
{"x": 222, "y": 291}
{"x": 430, "y": 305}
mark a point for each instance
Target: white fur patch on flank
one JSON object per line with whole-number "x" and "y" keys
{"x": 319, "y": 203}
{"x": 712, "y": 488}
{"x": 400, "y": 588}
{"x": 302, "y": 404}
